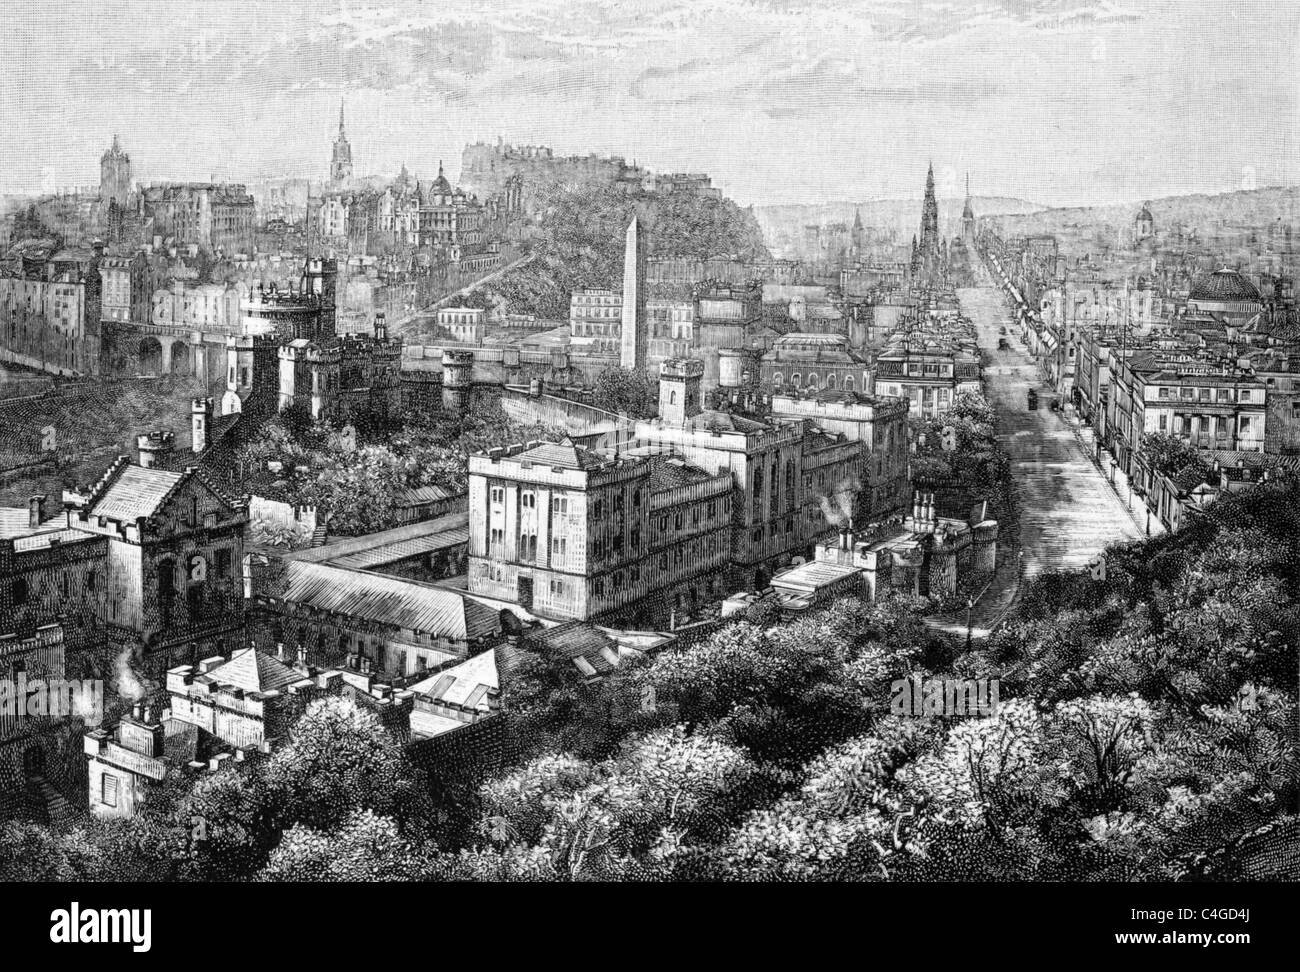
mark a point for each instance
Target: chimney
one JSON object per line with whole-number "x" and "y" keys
{"x": 200, "y": 421}
{"x": 381, "y": 327}
{"x": 36, "y": 510}
{"x": 142, "y": 734}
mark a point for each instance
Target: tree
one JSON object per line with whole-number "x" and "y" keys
{"x": 625, "y": 390}
{"x": 339, "y": 759}
{"x": 366, "y": 847}
{"x": 1169, "y": 454}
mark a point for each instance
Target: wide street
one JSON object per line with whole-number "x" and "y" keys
{"x": 1069, "y": 513}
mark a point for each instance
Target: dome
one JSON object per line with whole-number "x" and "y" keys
{"x": 1223, "y": 285}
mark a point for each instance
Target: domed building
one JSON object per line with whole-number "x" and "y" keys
{"x": 1224, "y": 292}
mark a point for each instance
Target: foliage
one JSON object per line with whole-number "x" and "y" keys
{"x": 581, "y": 240}
{"x": 1170, "y": 455}
{"x": 357, "y": 479}
{"x": 623, "y": 390}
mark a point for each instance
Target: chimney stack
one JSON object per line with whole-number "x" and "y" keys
{"x": 36, "y": 510}
{"x": 200, "y": 421}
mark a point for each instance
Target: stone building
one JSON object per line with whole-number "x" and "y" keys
{"x": 215, "y": 216}
{"x": 347, "y": 379}
{"x": 664, "y": 517}
{"x": 924, "y": 554}
{"x": 566, "y": 532}
{"x": 878, "y": 422}
{"x": 170, "y": 581}
{"x": 50, "y": 312}
{"x": 595, "y": 320}
{"x": 928, "y": 370}
{"x": 815, "y": 361}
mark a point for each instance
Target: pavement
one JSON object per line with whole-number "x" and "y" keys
{"x": 1069, "y": 511}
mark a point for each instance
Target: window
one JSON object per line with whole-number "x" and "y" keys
{"x": 498, "y": 494}
{"x": 222, "y": 561}
{"x": 108, "y": 790}
{"x": 560, "y": 504}
{"x": 528, "y": 499}
{"x": 598, "y": 510}
{"x": 498, "y": 537}
{"x": 559, "y": 546}
{"x": 636, "y": 499}
{"x": 528, "y": 547}
{"x": 557, "y": 587}
{"x": 677, "y": 520}
{"x": 636, "y": 573}
{"x": 1164, "y": 392}
{"x": 19, "y": 591}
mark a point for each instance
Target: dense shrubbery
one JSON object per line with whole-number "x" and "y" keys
{"x": 357, "y": 480}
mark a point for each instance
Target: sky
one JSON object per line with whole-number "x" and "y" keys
{"x": 1062, "y": 102}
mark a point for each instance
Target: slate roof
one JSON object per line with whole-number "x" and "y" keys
{"x": 135, "y": 492}
{"x": 254, "y": 671}
{"x": 672, "y": 473}
{"x": 15, "y": 522}
{"x": 405, "y": 604}
{"x": 464, "y": 684}
{"x": 564, "y": 455}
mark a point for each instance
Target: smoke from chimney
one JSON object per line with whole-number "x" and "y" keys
{"x": 129, "y": 686}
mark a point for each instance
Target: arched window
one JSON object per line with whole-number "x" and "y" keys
{"x": 830, "y": 382}
{"x": 672, "y": 398}
{"x": 776, "y": 379}
{"x": 848, "y": 383}
{"x": 812, "y": 379}
{"x": 794, "y": 380}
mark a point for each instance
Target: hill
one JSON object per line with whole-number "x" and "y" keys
{"x": 783, "y": 226}
{"x": 582, "y": 232}
{"x": 1211, "y": 216}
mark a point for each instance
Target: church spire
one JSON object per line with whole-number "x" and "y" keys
{"x": 341, "y": 134}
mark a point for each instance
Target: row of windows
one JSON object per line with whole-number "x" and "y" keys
{"x": 1206, "y": 394}
{"x": 528, "y": 499}
{"x": 832, "y": 382}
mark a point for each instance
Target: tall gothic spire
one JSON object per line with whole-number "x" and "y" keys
{"x": 341, "y": 135}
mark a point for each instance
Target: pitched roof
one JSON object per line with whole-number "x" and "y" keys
{"x": 134, "y": 493}
{"x": 254, "y": 671}
{"x": 674, "y": 472}
{"x": 389, "y": 600}
{"x": 460, "y": 684}
{"x": 564, "y": 455}
{"x": 16, "y": 522}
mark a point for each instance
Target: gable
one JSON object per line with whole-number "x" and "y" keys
{"x": 195, "y": 502}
